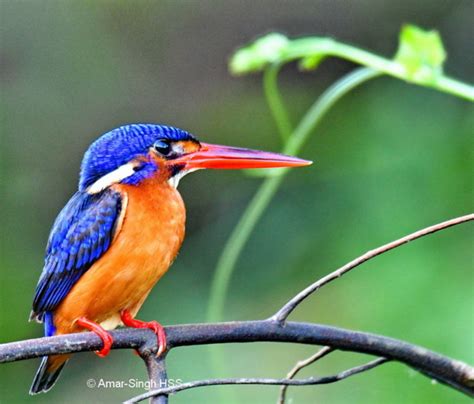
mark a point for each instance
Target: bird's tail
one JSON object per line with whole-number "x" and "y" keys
{"x": 48, "y": 373}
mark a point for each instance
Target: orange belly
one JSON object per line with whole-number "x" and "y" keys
{"x": 148, "y": 240}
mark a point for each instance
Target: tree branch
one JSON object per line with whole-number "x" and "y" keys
{"x": 261, "y": 381}
{"x": 445, "y": 370}
{"x": 454, "y": 373}
{"x": 288, "y": 308}
{"x": 300, "y": 365}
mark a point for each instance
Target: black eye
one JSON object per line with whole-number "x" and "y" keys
{"x": 162, "y": 146}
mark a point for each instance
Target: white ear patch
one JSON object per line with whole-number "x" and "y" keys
{"x": 111, "y": 178}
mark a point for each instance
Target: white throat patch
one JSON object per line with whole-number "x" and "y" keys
{"x": 174, "y": 180}
{"x": 111, "y": 178}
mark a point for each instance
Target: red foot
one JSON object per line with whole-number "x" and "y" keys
{"x": 155, "y": 326}
{"x": 103, "y": 334}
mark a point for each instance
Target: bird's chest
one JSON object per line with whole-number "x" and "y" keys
{"x": 150, "y": 235}
{"x": 152, "y": 229}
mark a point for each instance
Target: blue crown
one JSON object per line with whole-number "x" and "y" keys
{"x": 117, "y": 147}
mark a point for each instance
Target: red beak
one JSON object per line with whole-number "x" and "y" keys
{"x": 231, "y": 158}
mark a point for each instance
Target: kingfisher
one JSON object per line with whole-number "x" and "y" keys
{"x": 120, "y": 232}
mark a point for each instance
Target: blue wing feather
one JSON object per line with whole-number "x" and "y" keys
{"x": 81, "y": 234}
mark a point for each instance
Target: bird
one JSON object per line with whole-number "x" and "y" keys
{"x": 120, "y": 232}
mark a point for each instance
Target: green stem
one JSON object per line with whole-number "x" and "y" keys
{"x": 277, "y": 108}
{"x": 305, "y": 47}
{"x": 455, "y": 87}
{"x": 269, "y": 187}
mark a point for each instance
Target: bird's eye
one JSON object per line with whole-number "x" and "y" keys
{"x": 162, "y": 146}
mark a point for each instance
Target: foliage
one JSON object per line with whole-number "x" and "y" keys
{"x": 419, "y": 58}
{"x": 421, "y": 53}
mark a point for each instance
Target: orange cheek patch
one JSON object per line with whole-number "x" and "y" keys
{"x": 188, "y": 146}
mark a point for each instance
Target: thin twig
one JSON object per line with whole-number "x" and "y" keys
{"x": 262, "y": 381}
{"x": 288, "y": 308}
{"x": 300, "y": 365}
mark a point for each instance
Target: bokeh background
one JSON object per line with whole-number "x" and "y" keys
{"x": 390, "y": 158}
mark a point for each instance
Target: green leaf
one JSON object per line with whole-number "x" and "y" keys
{"x": 421, "y": 53}
{"x": 256, "y": 56}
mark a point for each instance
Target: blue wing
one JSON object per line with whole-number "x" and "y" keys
{"x": 81, "y": 234}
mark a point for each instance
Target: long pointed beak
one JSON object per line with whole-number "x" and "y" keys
{"x": 232, "y": 158}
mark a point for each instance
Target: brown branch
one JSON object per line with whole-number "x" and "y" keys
{"x": 282, "y": 314}
{"x": 300, "y": 365}
{"x": 261, "y": 381}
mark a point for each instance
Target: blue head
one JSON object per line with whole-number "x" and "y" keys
{"x": 132, "y": 152}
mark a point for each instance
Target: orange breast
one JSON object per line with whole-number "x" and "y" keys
{"x": 150, "y": 235}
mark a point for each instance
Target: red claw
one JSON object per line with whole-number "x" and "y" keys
{"x": 101, "y": 332}
{"x": 155, "y": 326}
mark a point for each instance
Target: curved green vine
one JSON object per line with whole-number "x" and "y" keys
{"x": 269, "y": 187}
{"x": 419, "y": 60}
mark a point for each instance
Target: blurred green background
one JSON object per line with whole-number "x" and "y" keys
{"x": 390, "y": 158}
